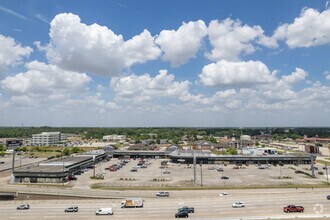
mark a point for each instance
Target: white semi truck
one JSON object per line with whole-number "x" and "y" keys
{"x": 132, "y": 203}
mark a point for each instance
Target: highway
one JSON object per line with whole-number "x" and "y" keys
{"x": 260, "y": 204}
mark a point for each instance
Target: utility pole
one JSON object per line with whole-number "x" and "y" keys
{"x": 13, "y": 163}
{"x": 194, "y": 168}
{"x": 201, "y": 174}
{"x": 94, "y": 166}
{"x": 326, "y": 171}
{"x": 63, "y": 165}
{"x": 312, "y": 165}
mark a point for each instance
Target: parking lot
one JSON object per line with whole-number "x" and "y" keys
{"x": 179, "y": 175}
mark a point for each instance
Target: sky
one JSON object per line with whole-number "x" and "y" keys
{"x": 228, "y": 63}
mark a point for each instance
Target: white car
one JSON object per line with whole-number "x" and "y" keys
{"x": 238, "y": 204}
{"x": 104, "y": 211}
{"x": 163, "y": 194}
{"x": 224, "y": 194}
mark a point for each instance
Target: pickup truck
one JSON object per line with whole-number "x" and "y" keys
{"x": 186, "y": 209}
{"x": 293, "y": 208}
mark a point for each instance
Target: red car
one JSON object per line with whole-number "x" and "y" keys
{"x": 293, "y": 208}
{"x": 112, "y": 168}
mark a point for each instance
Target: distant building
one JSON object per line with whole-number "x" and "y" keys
{"x": 172, "y": 148}
{"x": 264, "y": 137}
{"x": 259, "y": 151}
{"x": 245, "y": 137}
{"x": 148, "y": 141}
{"x": 314, "y": 140}
{"x": 114, "y": 137}
{"x": 49, "y": 139}
{"x": 204, "y": 145}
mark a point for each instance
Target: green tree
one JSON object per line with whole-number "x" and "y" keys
{"x": 66, "y": 152}
{"x": 231, "y": 151}
{"x": 2, "y": 147}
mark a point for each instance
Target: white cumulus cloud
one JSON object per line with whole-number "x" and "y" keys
{"x": 311, "y": 28}
{"x": 145, "y": 87}
{"x": 11, "y": 53}
{"x": 45, "y": 80}
{"x": 230, "y": 38}
{"x": 181, "y": 45}
{"x": 296, "y": 76}
{"x": 242, "y": 74}
{"x": 93, "y": 48}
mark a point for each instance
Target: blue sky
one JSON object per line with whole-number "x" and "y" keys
{"x": 174, "y": 63}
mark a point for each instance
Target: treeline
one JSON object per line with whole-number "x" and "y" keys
{"x": 174, "y": 134}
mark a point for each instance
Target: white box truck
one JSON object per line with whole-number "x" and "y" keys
{"x": 104, "y": 211}
{"x": 132, "y": 203}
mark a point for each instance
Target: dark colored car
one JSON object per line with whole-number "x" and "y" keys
{"x": 186, "y": 209}
{"x": 328, "y": 197}
{"x": 72, "y": 209}
{"x": 225, "y": 178}
{"x": 71, "y": 177}
{"x": 181, "y": 214}
{"x": 23, "y": 207}
{"x": 293, "y": 208}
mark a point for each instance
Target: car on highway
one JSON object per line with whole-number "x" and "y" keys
{"x": 293, "y": 208}
{"x": 299, "y": 172}
{"x": 163, "y": 194}
{"x": 219, "y": 169}
{"x": 134, "y": 169}
{"x": 187, "y": 209}
{"x": 23, "y": 207}
{"x": 167, "y": 172}
{"x": 181, "y": 214}
{"x": 72, "y": 209}
{"x": 225, "y": 178}
{"x": 104, "y": 211}
{"x": 224, "y": 194}
{"x": 238, "y": 204}
{"x": 328, "y": 197}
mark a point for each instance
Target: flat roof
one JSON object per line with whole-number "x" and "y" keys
{"x": 40, "y": 169}
{"x": 67, "y": 161}
{"x": 53, "y": 166}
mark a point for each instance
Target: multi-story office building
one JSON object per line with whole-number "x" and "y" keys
{"x": 114, "y": 137}
{"x": 49, "y": 139}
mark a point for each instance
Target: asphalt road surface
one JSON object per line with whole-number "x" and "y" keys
{"x": 260, "y": 204}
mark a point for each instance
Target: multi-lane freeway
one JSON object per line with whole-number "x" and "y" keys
{"x": 260, "y": 204}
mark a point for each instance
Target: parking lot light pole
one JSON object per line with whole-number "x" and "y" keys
{"x": 201, "y": 173}
{"x": 326, "y": 171}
